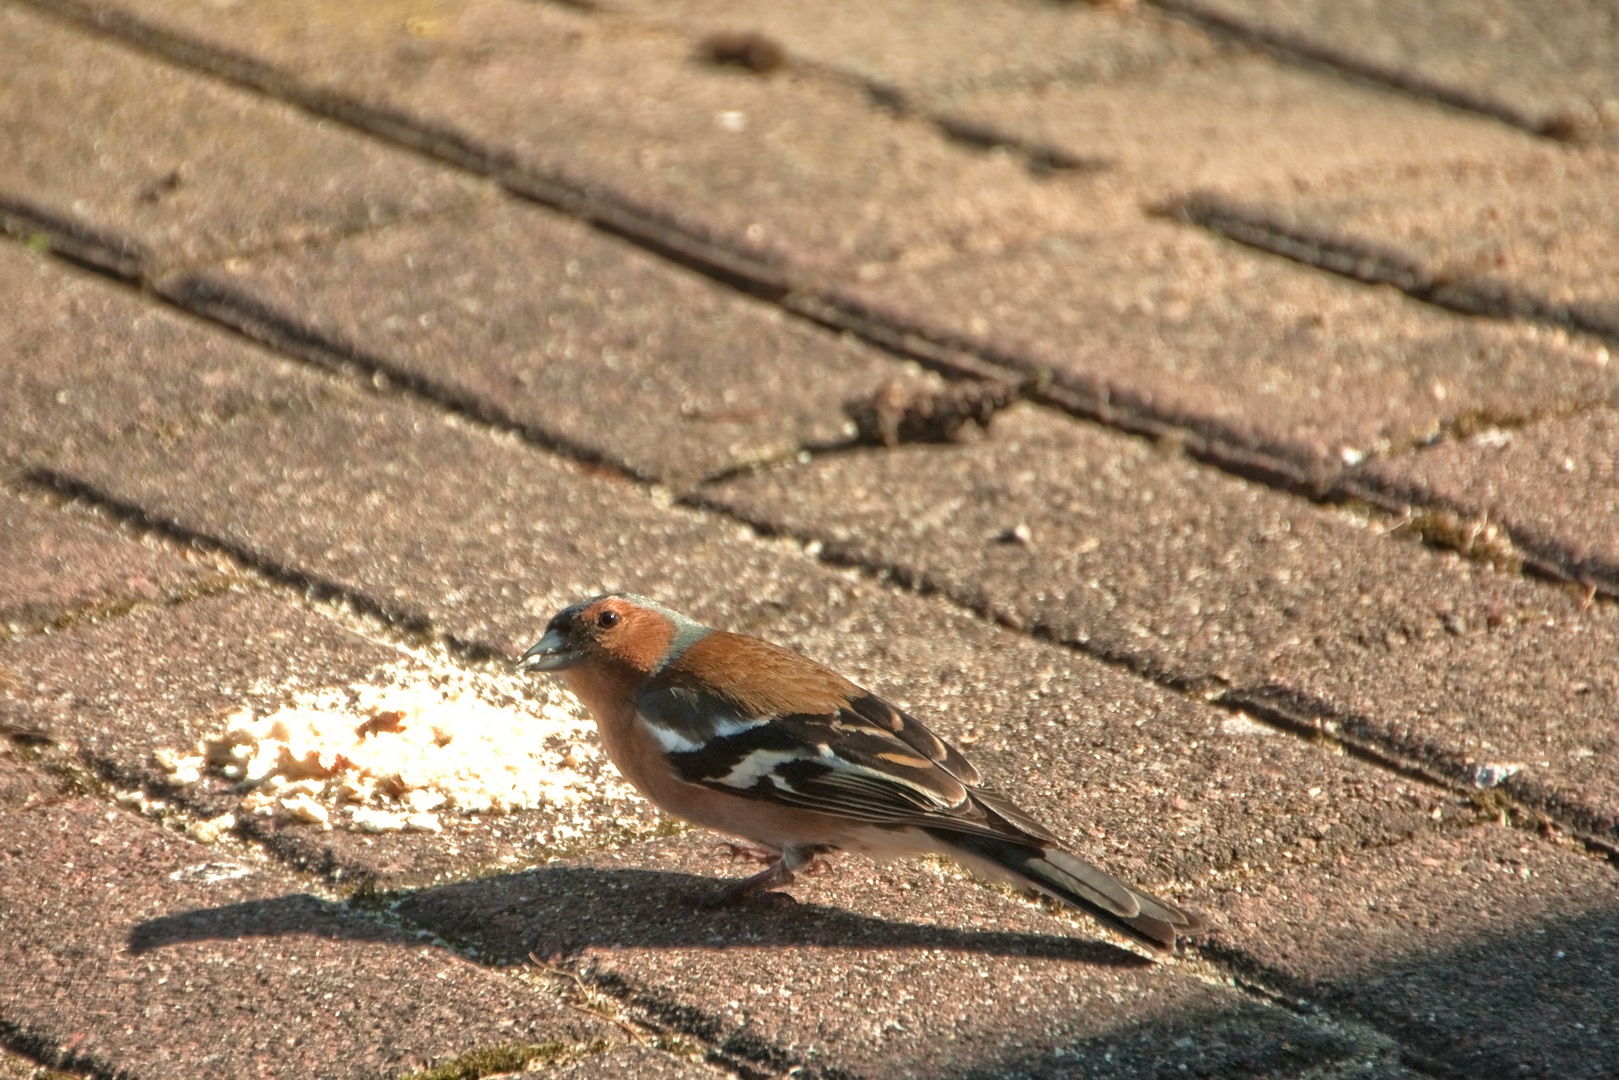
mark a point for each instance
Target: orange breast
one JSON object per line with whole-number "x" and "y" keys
{"x": 633, "y": 749}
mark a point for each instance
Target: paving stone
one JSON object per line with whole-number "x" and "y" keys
{"x": 1237, "y": 122}
{"x": 88, "y": 362}
{"x": 61, "y": 568}
{"x": 1552, "y": 484}
{"x": 1519, "y": 233}
{"x": 894, "y": 970}
{"x": 1062, "y": 527}
{"x": 1297, "y": 368}
{"x": 167, "y": 677}
{"x": 433, "y": 519}
{"x": 1489, "y": 954}
{"x": 1066, "y": 530}
{"x": 1554, "y": 67}
{"x": 794, "y": 169}
{"x": 1527, "y": 707}
{"x": 144, "y": 165}
{"x": 929, "y": 52}
{"x": 27, "y": 779}
{"x": 164, "y": 679}
{"x": 143, "y": 952}
{"x": 578, "y": 337}
{"x": 456, "y": 528}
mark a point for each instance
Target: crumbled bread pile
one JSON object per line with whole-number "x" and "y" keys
{"x": 412, "y": 745}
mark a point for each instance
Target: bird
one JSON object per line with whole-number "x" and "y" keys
{"x": 753, "y": 740}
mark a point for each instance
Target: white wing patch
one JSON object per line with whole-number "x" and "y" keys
{"x": 746, "y": 773}
{"x": 679, "y": 742}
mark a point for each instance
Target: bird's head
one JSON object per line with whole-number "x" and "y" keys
{"x": 617, "y": 627}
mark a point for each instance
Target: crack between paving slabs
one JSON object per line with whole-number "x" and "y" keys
{"x": 1511, "y": 804}
{"x": 129, "y": 262}
{"x": 1209, "y": 443}
{"x": 246, "y": 319}
{"x": 649, "y": 1019}
{"x": 224, "y": 578}
{"x": 669, "y": 1024}
{"x": 312, "y": 587}
{"x": 1249, "y": 979}
{"x": 506, "y": 1059}
{"x": 1300, "y": 53}
{"x": 1369, "y": 264}
{"x": 1041, "y": 159}
{"x": 155, "y": 276}
{"x": 1098, "y": 402}
{"x": 117, "y": 607}
{"x": 253, "y": 322}
{"x": 1449, "y": 526}
{"x": 1233, "y": 970}
{"x": 117, "y": 258}
{"x": 48, "y": 1052}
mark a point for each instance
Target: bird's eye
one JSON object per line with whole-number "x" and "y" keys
{"x": 607, "y": 620}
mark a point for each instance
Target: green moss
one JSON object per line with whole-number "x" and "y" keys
{"x": 681, "y": 1046}
{"x": 116, "y": 607}
{"x": 1493, "y": 803}
{"x": 1478, "y": 539}
{"x": 505, "y": 1058}
{"x": 368, "y": 898}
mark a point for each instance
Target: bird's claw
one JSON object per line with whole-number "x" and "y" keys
{"x": 749, "y": 887}
{"x": 745, "y": 851}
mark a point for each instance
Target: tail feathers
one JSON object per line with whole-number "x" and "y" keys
{"x": 1070, "y": 879}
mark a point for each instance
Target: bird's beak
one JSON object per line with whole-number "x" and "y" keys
{"x": 550, "y": 653}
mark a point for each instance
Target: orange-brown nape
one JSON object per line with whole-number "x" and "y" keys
{"x": 762, "y": 678}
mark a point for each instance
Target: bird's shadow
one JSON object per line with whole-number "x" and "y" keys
{"x": 562, "y": 911}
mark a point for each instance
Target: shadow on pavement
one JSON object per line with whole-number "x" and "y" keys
{"x": 1540, "y": 1001}
{"x": 563, "y": 911}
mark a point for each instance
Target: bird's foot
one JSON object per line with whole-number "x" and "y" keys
{"x": 764, "y": 881}
{"x": 777, "y": 873}
{"x": 820, "y": 864}
{"x": 750, "y": 852}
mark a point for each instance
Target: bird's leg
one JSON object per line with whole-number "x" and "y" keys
{"x": 779, "y": 873}
{"x": 750, "y": 852}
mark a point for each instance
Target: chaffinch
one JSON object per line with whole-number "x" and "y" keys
{"x": 751, "y": 739}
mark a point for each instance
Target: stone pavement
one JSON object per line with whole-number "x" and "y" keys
{"x": 1200, "y": 411}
